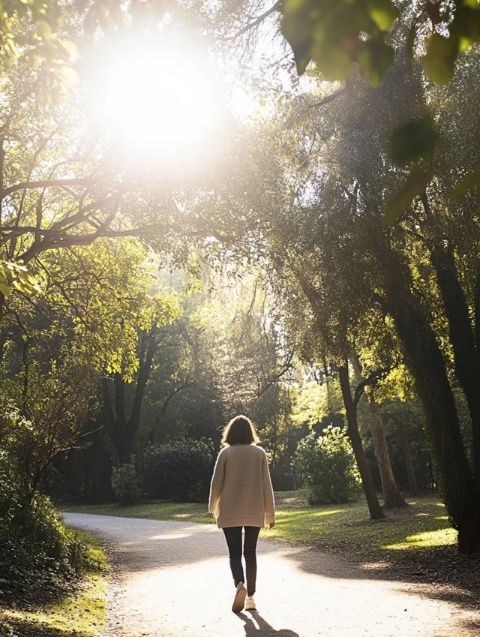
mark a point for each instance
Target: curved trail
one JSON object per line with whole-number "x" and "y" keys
{"x": 173, "y": 580}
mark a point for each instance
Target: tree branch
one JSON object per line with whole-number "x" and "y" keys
{"x": 46, "y": 183}
{"x": 370, "y": 381}
{"x": 256, "y": 21}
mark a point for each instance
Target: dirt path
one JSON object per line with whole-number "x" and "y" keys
{"x": 173, "y": 580}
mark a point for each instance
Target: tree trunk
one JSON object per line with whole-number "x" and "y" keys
{"x": 123, "y": 435}
{"x": 374, "y": 507}
{"x": 426, "y": 363}
{"x": 97, "y": 472}
{"x": 462, "y": 338}
{"x": 469, "y": 534}
{"x": 407, "y": 457}
{"x": 123, "y": 428}
{"x": 148, "y": 346}
{"x": 391, "y": 493}
{"x": 477, "y": 311}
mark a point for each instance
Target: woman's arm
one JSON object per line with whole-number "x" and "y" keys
{"x": 268, "y": 499}
{"x": 217, "y": 484}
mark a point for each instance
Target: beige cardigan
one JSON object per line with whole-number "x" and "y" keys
{"x": 241, "y": 491}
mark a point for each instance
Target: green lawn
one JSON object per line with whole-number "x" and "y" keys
{"x": 82, "y": 613}
{"x": 346, "y": 528}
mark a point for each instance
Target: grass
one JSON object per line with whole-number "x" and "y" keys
{"x": 344, "y": 528}
{"x": 180, "y": 511}
{"x": 82, "y": 613}
{"x": 348, "y": 529}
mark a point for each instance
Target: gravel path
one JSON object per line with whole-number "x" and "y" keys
{"x": 172, "y": 580}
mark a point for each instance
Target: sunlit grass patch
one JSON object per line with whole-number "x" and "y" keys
{"x": 95, "y": 555}
{"x": 282, "y": 515}
{"x": 425, "y": 540}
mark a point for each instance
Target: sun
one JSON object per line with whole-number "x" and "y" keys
{"x": 155, "y": 98}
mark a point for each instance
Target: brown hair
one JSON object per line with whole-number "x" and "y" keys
{"x": 240, "y": 431}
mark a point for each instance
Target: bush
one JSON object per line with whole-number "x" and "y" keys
{"x": 180, "y": 470}
{"x": 126, "y": 484}
{"x": 327, "y": 467}
{"x": 37, "y": 552}
{"x": 282, "y": 474}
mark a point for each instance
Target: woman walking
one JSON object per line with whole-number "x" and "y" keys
{"x": 241, "y": 496}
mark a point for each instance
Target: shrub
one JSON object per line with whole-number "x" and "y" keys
{"x": 37, "y": 551}
{"x": 126, "y": 484}
{"x": 327, "y": 467}
{"x": 180, "y": 470}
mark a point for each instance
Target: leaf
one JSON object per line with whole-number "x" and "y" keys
{"x": 301, "y": 55}
{"x": 470, "y": 180}
{"x": 296, "y": 27}
{"x": 439, "y": 62}
{"x": 375, "y": 58}
{"x": 466, "y": 27}
{"x": 414, "y": 140}
{"x": 414, "y": 185}
{"x": 383, "y": 13}
{"x": 333, "y": 63}
{"x": 44, "y": 29}
{"x": 5, "y": 289}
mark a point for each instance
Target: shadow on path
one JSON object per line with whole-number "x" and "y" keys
{"x": 263, "y": 628}
{"x": 175, "y": 559}
{"x": 463, "y": 588}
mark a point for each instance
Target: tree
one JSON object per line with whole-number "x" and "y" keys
{"x": 56, "y": 345}
{"x": 334, "y": 187}
{"x": 56, "y": 189}
{"x": 400, "y": 298}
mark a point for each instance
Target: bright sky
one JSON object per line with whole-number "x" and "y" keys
{"x": 162, "y": 99}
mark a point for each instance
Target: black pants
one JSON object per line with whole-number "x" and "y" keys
{"x": 233, "y": 535}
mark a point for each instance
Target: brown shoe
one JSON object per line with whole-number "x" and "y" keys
{"x": 239, "y": 599}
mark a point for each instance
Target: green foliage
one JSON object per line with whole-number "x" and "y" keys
{"x": 179, "y": 470}
{"x": 442, "y": 52}
{"x": 466, "y": 183}
{"x": 402, "y": 200}
{"x": 80, "y": 610}
{"x": 126, "y": 483}
{"x": 313, "y": 402}
{"x": 327, "y": 467}
{"x": 413, "y": 140}
{"x": 37, "y": 551}
{"x": 16, "y": 276}
{"x": 338, "y": 34}
{"x": 441, "y": 56}
{"x": 118, "y": 296}
{"x": 41, "y": 418}
{"x": 332, "y": 34}
{"x": 27, "y": 28}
